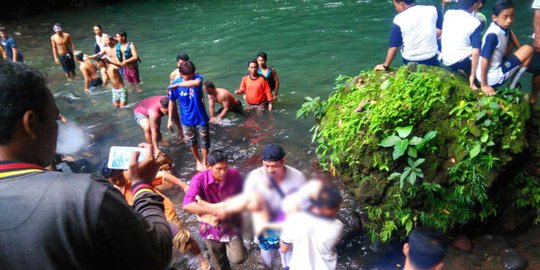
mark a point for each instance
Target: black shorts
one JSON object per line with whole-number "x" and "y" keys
{"x": 534, "y": 66}
{"x": 236, "y": 108}
{"x": 67, "y": 62}
{"x": 96, "y": 82}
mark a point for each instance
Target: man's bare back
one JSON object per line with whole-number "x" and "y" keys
{"x": 114, "y": 77}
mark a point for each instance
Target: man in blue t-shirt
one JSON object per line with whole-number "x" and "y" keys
{"x": 11, "y": 51}
{"x": 187, "y": 89}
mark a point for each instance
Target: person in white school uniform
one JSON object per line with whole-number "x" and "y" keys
{"x": 415, "y": 29}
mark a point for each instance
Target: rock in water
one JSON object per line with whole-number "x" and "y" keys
{"x": 424, "y": 150}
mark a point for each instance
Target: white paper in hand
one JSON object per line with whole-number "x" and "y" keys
{"x": 119, "y": 156}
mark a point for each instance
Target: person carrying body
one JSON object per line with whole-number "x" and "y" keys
{"x": 11, "y": 51}
{"x": 257, "y": 92}
{"x": 269, "y": 73}
{"x": 461, "y": 40}
{"x": 53, "y": 220}
{"x": 214, "y": 185}
{"x": 129, "y": 58}
{"x": 228, "y": 102}
{"x": 108, "y": 52}
{"x": 63, "y": 48}
{"x": 89, "y": 72}
{"x": 312, "y": 235}
{"x": 148, "y": 113}
{"x": 274, "y": 181}
{"x": 119, "y": 93}
{"x": 497, "y": 63}
{"x": 182, "y": 239}
{"x": 188, "y": 91}
{"x": 415, "y": 29}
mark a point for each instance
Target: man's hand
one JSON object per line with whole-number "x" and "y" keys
{"x": 270, "y": 106}
{"x": 57, "y": 61}
{"x": 488, "y": 90}
{"x": 215, "y": 120}
{"x": 472, "y": 85}
{"x": 381, "y": 67}
{"x": 145, "y": 170}
{"x": 170, "y": 126}
{"x": 238, "y": 91}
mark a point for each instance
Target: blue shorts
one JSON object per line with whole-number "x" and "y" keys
{"x": 433, "y": 61}
{"x": 506, "y": 70}
{"x": 464, "y": 65}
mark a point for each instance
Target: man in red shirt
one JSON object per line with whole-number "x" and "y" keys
{"x": 256, "y": 88}
{"x": 148, "y": 115}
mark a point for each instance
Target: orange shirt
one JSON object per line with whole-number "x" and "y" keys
{"x": 257, "y": 91}
{"x": 167, "y": 204}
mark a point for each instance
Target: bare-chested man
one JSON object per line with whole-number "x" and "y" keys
{"x": 128, "y": 57}
{"x": 89, "y": 72}
{"x": 222, "y": 96}
{"x": 109, "y": 52}
{"x": 175, "y": 74}
{"x": 119, "y": 93}
{"x": 63, "y": 48}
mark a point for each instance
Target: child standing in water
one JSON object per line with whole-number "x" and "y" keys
{"x": 269, "y": 73}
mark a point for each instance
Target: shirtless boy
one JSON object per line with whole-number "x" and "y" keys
{"x": 222, "y": 96}
{"x": 89, "y": 72}
{"x": 109, "y": 52}
{"x": 62, "y": 48}
{"x": 119, "y": 93}
{"x": 127, "y": 55}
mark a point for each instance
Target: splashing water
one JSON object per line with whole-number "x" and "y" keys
{"x": 70, "y": 139}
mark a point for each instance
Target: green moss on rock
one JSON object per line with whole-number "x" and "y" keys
{"x": 476, "y": 136}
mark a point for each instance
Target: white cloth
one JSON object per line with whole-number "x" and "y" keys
{"x": 418, "y": 25}
{"x": 100, "y": 41}
{"x": 313, "y": 241}
{"x": 536, "y": 4}
{"x": 258, "y": 181}
{"x": 458, "y": 27}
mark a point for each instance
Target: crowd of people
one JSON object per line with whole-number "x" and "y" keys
{"x": 74, "y": 221}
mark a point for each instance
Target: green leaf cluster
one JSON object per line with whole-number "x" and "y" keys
{"x": 426, "y": 128}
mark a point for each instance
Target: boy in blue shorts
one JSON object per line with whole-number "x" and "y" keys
{"x": 415, "y": 30}
{"x": 187, "y": 89}
{"x": 461, "y": 39}
{"x": 496, "y": 66}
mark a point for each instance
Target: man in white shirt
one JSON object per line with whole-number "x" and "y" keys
{"x": 273, "y": 181}
{"x": 415, "y": 29}
{"x": 312, "y": 235}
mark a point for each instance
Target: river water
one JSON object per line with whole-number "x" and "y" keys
{"x": 309, "y": 42}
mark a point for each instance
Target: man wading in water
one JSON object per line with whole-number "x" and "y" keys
{"x": 63, "y": 48}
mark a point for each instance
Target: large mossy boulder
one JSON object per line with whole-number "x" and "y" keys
{"x": 416, "y": 146}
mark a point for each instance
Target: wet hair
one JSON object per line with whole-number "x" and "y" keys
{"x": 122, "y": 33}
{"x": 467, "y": 4}
{"x": 22, "y": 89}
{"x": 263, "y": 55}
{"x": 164, "y": 102}
{"x": 98, "y": 26}
{"x": 501, "y": 5}
{"x": 328, "y": 197}
{"x": 408, "y": 2}
{"x": 209, "y": 85}
{"x": 106, "y": 172}
{"x": 216, "y": 156}
{"x": 254, "y": 62}
{"x": 187, "y": 68}
{"x": 78, "y": 55}
{"x": 426, "y": 247}
{"x": 164, "y": 162}
{"x": 3, "y": 29}
{"x": 182, "y": 56}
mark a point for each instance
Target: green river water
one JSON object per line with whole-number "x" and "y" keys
{"x": 310, "y": 42}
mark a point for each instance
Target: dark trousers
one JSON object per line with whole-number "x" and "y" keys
{"x": 224, "y": 253}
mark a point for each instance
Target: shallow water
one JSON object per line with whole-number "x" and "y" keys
{"x": 310, "y": 43}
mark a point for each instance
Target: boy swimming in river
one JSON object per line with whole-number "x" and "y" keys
{"x": 222, "y": 96}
